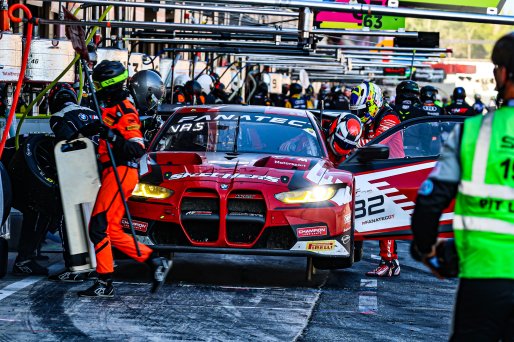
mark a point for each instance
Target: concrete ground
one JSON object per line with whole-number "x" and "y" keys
{"x": 234, "y": 298}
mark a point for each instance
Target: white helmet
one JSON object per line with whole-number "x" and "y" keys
{"x": 206, "y": 83}
{"x": 180, "y": 80}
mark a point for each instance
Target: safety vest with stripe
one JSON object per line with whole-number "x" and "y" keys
{"x": 484, "y": 207}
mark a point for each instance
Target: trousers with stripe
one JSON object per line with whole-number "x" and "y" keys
{"x": 105, "y": 228}
{"x": 388, "y": 250}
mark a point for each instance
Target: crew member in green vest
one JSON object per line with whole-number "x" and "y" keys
{"x": 476, "y": 168}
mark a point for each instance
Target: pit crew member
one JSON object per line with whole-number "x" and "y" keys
{"x": 475, "y": 168}
{"x": 428, "y": 97}
{"x": 407, "y": 103}
{"x": 459, "y": 106}
{"x": 122, "y": 132}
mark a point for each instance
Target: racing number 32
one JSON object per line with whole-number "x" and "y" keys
{"x": 374, "y": 206}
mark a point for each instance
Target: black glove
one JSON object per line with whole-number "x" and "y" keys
{"x": 107, "y": 134}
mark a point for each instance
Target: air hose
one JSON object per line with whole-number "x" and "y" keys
{"x": 25, "y": 58}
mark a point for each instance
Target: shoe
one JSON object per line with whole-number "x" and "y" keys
{"x": 384, "y": 269}
{"x": 73, "y": 277}
{"x": 101, "y": 288}
{"x": 396, "y": 267}
{"x": 160, "y": 269}
{"x": 29, "y": 267}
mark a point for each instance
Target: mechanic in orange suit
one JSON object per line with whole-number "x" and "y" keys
{"x": 121, "y": 130}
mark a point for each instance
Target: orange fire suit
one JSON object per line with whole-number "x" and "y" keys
{"x": 105, "y": 228}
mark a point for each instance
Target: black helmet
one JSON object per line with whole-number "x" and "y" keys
{"x": 109, "y": 75}
{"x": 428, "y": 93}
{"x": 309, "y": 90}
{"x": 295, "y": 88}
{"x": 459, "y": 93}
{"x": 147, "y": 89}
{"x": 215, "y": 77}
{"x": 262, "y": 88}
{"x": 335, "y": 89}
{"x": 285, "y": 89}
{"x": 478, "y": 97}
{"x": 59, "y": 95}
{"x": 407, "y": 88}
{"x": 193, "y": 88}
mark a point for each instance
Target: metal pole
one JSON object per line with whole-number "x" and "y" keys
{"x": 365, "y": 33}
{"x": 382, "y": 10}
{"x": 245, "y": 10}
{"x": 381, "y": 48}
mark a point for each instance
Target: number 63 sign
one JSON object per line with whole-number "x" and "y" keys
{"x": 358, "y": 21}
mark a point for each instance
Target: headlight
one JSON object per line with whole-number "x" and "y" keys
{"x": 315, "y": 194}
{"x": 151, "y": 191}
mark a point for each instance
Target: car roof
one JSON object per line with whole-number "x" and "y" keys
{"x": 242, "y": 109}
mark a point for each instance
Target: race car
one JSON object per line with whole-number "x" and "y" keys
{"x": 247, "y": 180}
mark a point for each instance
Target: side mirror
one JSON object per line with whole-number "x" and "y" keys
{"x": 372, "y": 152}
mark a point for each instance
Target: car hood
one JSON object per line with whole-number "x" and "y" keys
{"x": 290, "y": 171}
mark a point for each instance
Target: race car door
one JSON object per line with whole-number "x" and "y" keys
{"x": 386, "y": 189}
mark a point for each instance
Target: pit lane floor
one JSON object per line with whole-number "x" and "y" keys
{"x": 235, "y": 298}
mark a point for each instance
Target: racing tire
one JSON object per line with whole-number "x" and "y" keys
{"x": 358, "y": 251}
{"x": 34, "y": 175}
{"x": 4, "y": 257}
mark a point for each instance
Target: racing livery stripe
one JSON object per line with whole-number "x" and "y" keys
{"x": 394, "y": 170}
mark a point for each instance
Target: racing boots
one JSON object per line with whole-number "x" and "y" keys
{"x": 386, "y": 269}
{"x": 160, "y": 269}
{"x": 28, "y": 267}
{"x": 73, "y": 277}
{"x": 101, "y": 288}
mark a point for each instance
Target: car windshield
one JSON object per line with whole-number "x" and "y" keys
{"x": 254, "y": 133}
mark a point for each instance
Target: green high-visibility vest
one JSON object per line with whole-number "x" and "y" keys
{"x": 484, "y": 207}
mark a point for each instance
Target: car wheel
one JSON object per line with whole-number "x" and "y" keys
{"x": 358, "y": 251}
{"x": 4, "y": 256}
{"x": 34, "y": 175}
{"x": 332, "y": 263}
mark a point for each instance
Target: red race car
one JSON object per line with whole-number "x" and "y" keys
{"x": 245, "y": 180}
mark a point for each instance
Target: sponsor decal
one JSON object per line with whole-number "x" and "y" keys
{"x": 140, "y": 226}
{"x": 320, "y": 246}
{"x": 345, "y": 239}
{"x": 224, "y": 186}
{"x": 199, "y": 212}
{"x": 83, "y": 117}
{"x": 426, "y": 188}
{"x": 222, "y": 176}
{"x": 243, "y": 196}
{"x": 383, "y": 218}
{"x": 233, "y": 117}
{"x": 311, "y": 231}
{"x": 238, "y": 213}
{"x": 347, "y": 218}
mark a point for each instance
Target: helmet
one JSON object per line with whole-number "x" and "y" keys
{"x": 262, "y": 88}
{"x": 180, "y": 80}
{"x": 295, "y": 88}
{"x": 215, "y": 77}
{"x": 459, "y": 93}
{"x": 344, "y": 134}
{"x": 206, "y": 83}
{"x": 59, "y": 95}
{"x": 109, "y": 76}
{"x": 478, "y": 97}
{"x": 193, "y": 88}
{"x": 366, "y": 100}
{"x": 324, "y": 90}
{"x": 407, "y": 89}
{"x": 428, "y": 93}
{"x": 147, "y": 88}
{"x": 309, "y": 90}
{"x": 285, "y": 89}
{"x": 335, "y": 89}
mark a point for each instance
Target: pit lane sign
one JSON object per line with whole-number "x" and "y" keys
{"x": 338, "y": 20}
{"x": 475, "y": 6}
